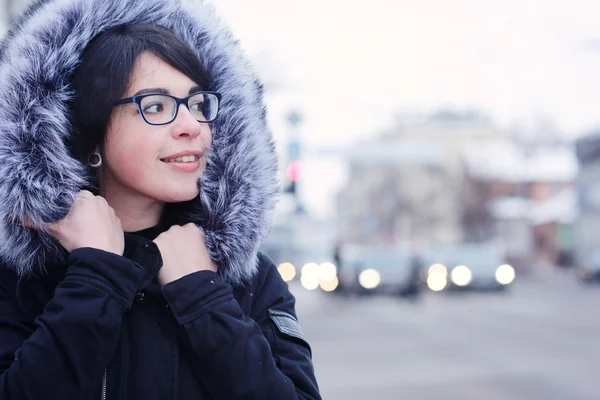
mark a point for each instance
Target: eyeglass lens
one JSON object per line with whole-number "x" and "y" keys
{"x": 160, "y": 109}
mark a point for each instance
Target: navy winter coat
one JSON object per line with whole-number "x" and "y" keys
{"x": 102, "y": 323}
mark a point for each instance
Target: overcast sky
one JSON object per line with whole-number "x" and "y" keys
{"x": 349, "y": 65}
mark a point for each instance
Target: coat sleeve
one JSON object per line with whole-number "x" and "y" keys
{"x": 65, "y": 350}
{"x": 265, "y": 356}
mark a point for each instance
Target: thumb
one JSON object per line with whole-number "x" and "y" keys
{"x": 52, "y": 229}
{"x": 29, "y": 224}
{"x": 55, "y": 229}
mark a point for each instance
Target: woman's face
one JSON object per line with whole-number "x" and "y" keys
{"x": 136, "y": 153}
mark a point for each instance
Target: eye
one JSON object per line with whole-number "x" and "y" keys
{"x": 197, "y": 106}
{"x": 154, "y": 108}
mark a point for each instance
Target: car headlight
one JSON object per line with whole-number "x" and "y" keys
{"x": 309, "y": 276}
{"x": 329, "y": 285}
{"x": 327, "y": 271}
{"x": 309, "y": 282}
{"x": 287, "y": 271}
{"x": 436, "y": 282}
{"x": 369, "y": 279}
{"x": 461, "y": 275}
{"x": 505, "y": 274}
{"x": 310, "y": 269}
{"x": 437, "y": 269}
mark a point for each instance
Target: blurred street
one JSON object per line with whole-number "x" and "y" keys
{"x": 539, "y": 340}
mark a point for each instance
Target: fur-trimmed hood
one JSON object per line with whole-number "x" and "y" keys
{"x": 39, "y": 178}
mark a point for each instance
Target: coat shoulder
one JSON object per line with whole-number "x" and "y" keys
{"x": 264, "y": 289}
{"x": 266, "y": 271}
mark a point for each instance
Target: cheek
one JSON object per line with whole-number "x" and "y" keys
{"x": 128, "y": 166}
{"x": 131, "y": 156}
{"x": 208, "y": 135}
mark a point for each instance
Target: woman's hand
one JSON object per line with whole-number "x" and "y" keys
{"x": 183, "y": 252}
{"x": 91, "y": 222}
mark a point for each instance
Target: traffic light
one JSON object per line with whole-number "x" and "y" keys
{"x": 294, "y": 175}
{"x": 294, "y": 171}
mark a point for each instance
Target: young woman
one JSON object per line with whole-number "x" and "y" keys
{"x": 138, "y": 176}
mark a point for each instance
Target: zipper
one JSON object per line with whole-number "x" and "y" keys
{"x": 103, "y": 394}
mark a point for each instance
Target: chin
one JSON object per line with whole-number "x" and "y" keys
{"x": 180, "y": 195}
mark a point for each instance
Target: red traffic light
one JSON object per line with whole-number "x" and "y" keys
{"x": 294, "y": 171}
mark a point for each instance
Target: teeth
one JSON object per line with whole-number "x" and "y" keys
{"x": 183, "y": 159}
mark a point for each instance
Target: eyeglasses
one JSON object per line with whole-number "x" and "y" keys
{"x": 161, "y": 109}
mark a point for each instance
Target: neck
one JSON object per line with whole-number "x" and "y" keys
{"x": 135, "y": 211}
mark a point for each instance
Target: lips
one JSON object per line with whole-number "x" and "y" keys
{"x": 188, "y": 156}
{"x": 184, "y": 159}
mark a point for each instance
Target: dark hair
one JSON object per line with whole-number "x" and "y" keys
{"x": 104, "y": 73}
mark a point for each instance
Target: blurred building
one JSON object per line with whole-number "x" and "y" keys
{"x": 524, "y": 198}
{"x": 405, "y": 186}
{"x": 587, "y": 222}
{"x": 396, "y": 194}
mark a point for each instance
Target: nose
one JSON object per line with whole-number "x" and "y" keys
{"x": 185, "y": 125}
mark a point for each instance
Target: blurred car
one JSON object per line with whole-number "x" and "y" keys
{"x": 588, "y": 268}
{"x": 378, "y": 270}
{"x": 308, "y": 265}
{"x": 467, "y": 266}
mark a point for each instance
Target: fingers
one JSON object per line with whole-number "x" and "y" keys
{"x": 98, "y": 201}
{"x": 187, "y": 229}
{"x": 28, "y": 224}
{"x": 55, "y": 227}
{"x": 86, "y": 194}
{"x": 51, "y": 229}
{"x": 192, "y": 227}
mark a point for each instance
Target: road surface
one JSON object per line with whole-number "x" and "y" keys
{"x": 541, "y": 340}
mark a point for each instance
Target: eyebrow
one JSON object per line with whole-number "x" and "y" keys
{"x": 152, "y": 90}
{"x": 165, "y": 91}
{"x": 195, "y": 89}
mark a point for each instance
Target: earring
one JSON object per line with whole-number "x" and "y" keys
{"x": 95, "y": 160}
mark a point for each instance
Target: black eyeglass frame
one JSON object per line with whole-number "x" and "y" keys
{"x": 178, "y": 100}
